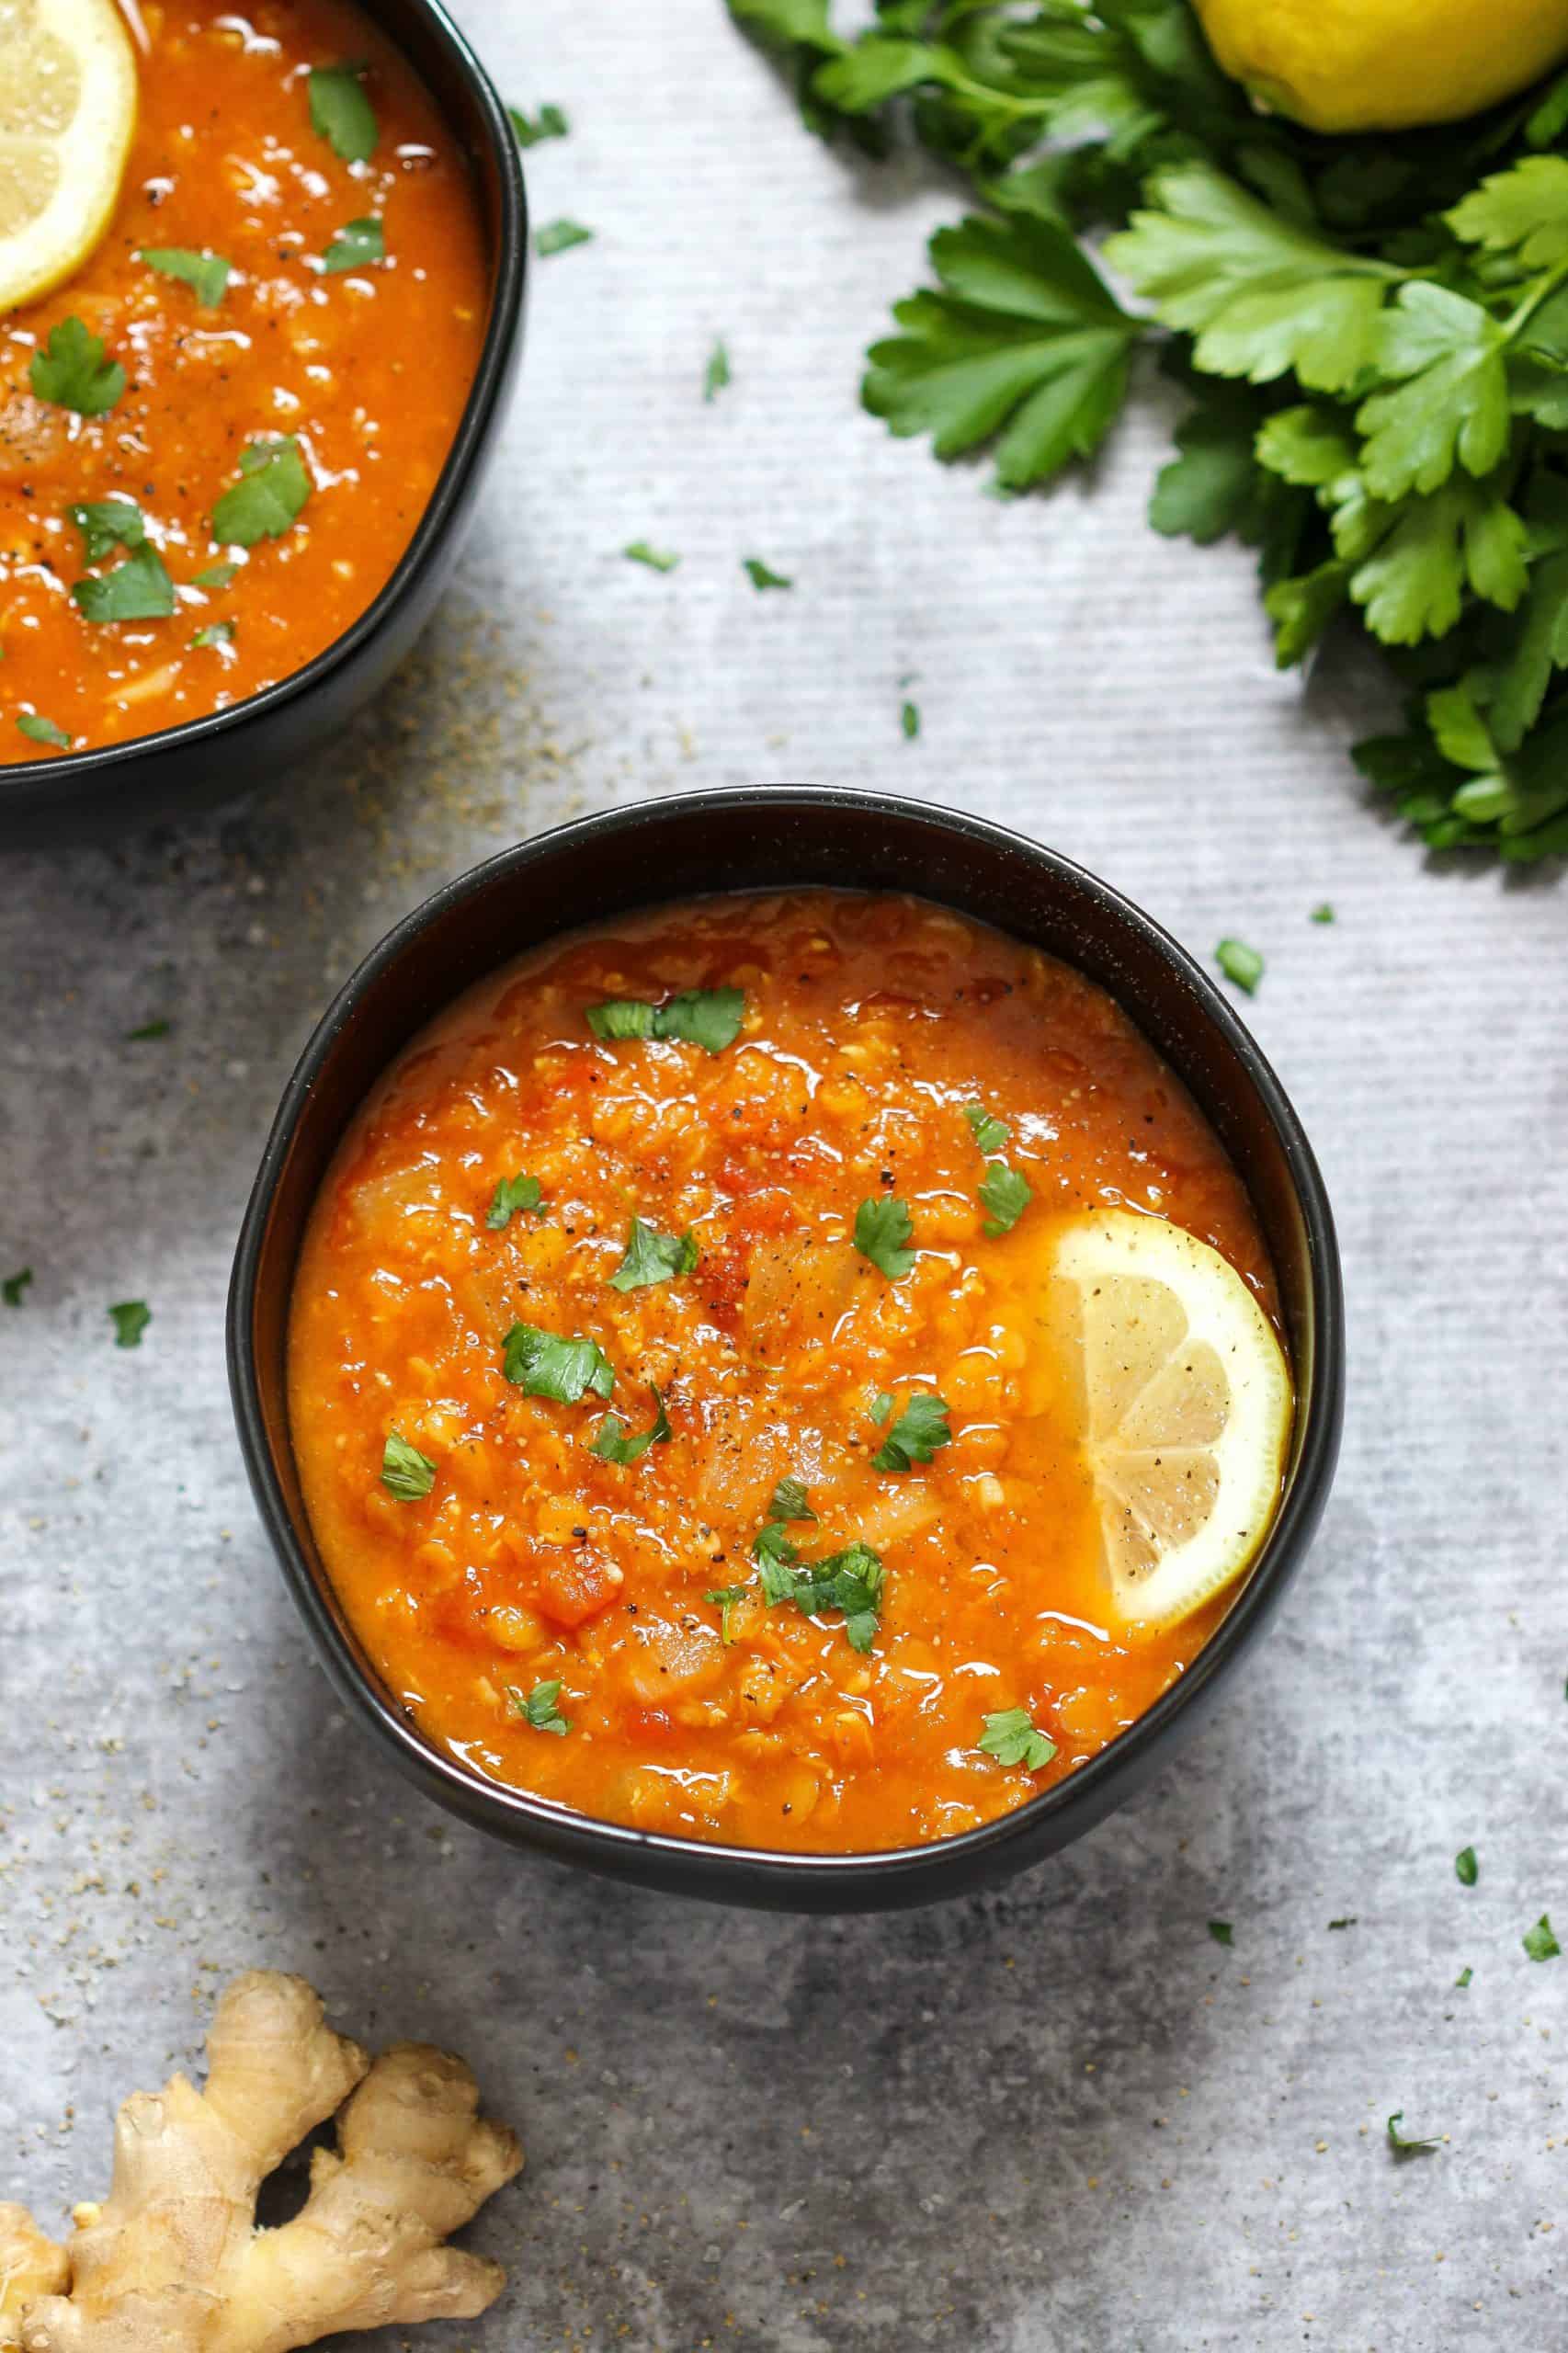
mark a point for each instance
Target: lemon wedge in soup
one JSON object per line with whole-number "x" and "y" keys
{"x": 67, "y": 117}
{"x": 1186, "y": 1404}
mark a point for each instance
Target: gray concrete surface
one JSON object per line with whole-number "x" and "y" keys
{"x": 1062, "y": 2119}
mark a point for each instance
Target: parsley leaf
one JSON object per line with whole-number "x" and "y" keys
{"x": 1007, "y": 1195}
{"x": 139, "y": 589}
{"x": 274, "y": 485}
{"x": 656, "y": 559}
{"x": 761, "y": 575}
{"x": 1401, "y": 2146}
{"x": 12, "y": 1287}
{"x": 716, "y": 375}
{"x": 131, "y": 1318}
{"x": 104, "y": 522}
{"x": 919, "y": 1430}
{"x": 512, "y": 1194}
{"x": 217, "y": 575}
{"x": 1452, "y": 406}
{"x": 540, "y": 1707}
{"x": 989, "y": 1132}
{"x": 1240, "y": 963}
{"x": 909, "y": 721}
{"x": 545, "y": 1364}
{"x": 852, "y": 1581}
{"x": 1462, "y": 1980}
{"x": 653, "y": 1257}
{"x": 1467, "y": 1870}
{"x": 215, "y": 634}
{"x": 560, "y": 236}
{"x": 341, "y": 113}
{"x": 881, "y": 1406}
{"x": 1523, "y": 211}
{"x": 405, "y": 1472}
{"x": 725, "y": 1597}
{"x": 1222, "y": 1932}
{"x": 882, "y": 1231}
{"x": 357, "y": 245}
{"x": 206, "y": 274}
{"x": 1323, "y": 913}
{"x": 72, "y": 372}
{"x": 612, "y": 1445}
{"x": 1540, "y": 1942}
{"x": 790, "y": 1501}
{"x": 1024, "y": 341}
{"x": 706, "y": 1018}
{"x": 549, "y": 123}
{"x": 1012, "y": 1738}
{"x": 44, "y": 731}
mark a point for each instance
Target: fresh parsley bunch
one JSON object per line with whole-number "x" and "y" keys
{"x": 1373, "y": 331}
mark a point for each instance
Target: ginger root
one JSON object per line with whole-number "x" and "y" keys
{"x": 172, "y": 2261}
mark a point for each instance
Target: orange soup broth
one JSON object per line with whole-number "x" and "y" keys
{"x": 869, "y": 1023}
{"x": 369, "y": 367}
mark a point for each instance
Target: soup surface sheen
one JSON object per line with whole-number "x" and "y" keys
{"x": 869, "y": 1023}
{"x": 367, "y": 364}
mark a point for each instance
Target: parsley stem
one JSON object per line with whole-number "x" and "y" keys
{"x": 1545, "y": 285}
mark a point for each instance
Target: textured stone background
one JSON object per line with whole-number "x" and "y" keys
{"x": 1055, "y": 2121}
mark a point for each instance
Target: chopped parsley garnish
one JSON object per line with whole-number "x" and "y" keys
{"x": 1323, "y": 913}
{"x": 549, "y": 123}
{"x": 656, "y": 559}
{"x": 1012, "y": 1738}
{"x": 217, "y": 575}
{"x": 989, "y": 1132}
{"x": 44, "y": 731}
{"x": 772, "y": 1545}
{"x": 612, "y": 1445}
{"x": 1462, "y": 1980}
{"x": 405, "y": 1472}
{"x": 1401, "y": 2146}
{"x": 12, "y": 1287}
{"x": 1240, "y": 963}
{"x": 789, "y": 1501}
{"x": 919, "y": 1430}
{"x": 72, "y": 372}
{"x": 215, "y": 634}
{"x": 653, "y": 1257}
{"x": 560, "y": 236}
{"x": 267, "y": 501}
{"x": 512, "y": 1194}
{"x": 544, "y": 1364}
{"x": 1540, "y": 1942}
{"x": 356, "y": 244}
{"x": 105, "y": 523}
{"x": 139, "y": 589}
{"x": 909, "y": 720}
{"x": 148, "y": 1029}
{"x": 1006, "y": 1195}
{"x": 540, "y": 1707}
{"x": 716, "y": 375}
{"x": 881, "y": 1406}
{"x": 131, "y": 1318}
{"x": 706, "y": 1017}
{"x": 725, "y": 1597}
{"x": 761, "y": 575}
{"x": 851, "y": 1581}
{"x": 882, "y": 1230}
{"x": 1222, "y": 1932}
{"x": 341, "y": 113}
{"x": 206, "y": 274}
{"x": 1467, "y": 1870}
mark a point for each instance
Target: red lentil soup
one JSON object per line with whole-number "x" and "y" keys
{"x": 330, "y": 364}
{"x": 598, "y": 1630}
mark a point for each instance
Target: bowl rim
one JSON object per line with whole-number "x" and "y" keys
{"x": 509, "y": 276}
{"x": 848, "y": 1880}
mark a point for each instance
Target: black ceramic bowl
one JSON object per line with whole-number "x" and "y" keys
{"x": 761, "y": 838}
{"x": 200, "y": 766}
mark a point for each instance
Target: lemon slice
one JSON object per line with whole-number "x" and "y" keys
{"x": 67, "y": 115}
{"x": 1186, "y": 1404}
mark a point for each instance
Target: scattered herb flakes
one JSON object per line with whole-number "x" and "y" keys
{"x": 882, "y": 1231}
{"x": 919, "y": 1430}
{"x": 359, "y": 245}
{"x": 909, "y": 720}
{"x": 706, "y": 1018}
{"x": 656, "y": 559}
{"x": 206, "y": 274}
{"x": 989, "y": 1132}
{"x": 1467, "y": 1870}
{"x": 1323, "y": 913}
{"x": 405, "y": 1472}
{"x": 12, "y": 1287}
{"x": 512, "y": 1194}
{"x": 71, "y": 370}
{"x": 1401, "y": 2146}
{"x": 267, "y": 501}
{"x": 612, "y": 1445}
{"x": 724, "y": 1597}
{"x": 1462, "y": 1980}
{"x": 653, "y": 1257}
{"x": 1540, "y": 1942}
{"x": 1007, "y": 1195}
{"x": 40, "y": 730}
{"x": 1240, "y": 963}
{"x": 1348, "y": 1921}
{"x": 791, "y": 1501}
{"x": 139, "y": 589}
{"x": 159, "y": 1029}
{"x": 531, "y": 131}
{"x": 131, "y": 1318}
{"x": 546, "y": 1364}
{"x": 762, "y": 575}
{"x": 105, "y": 523}
{"x": 1012, "y": 1738}
{"x": 1222, "y": 1932}
{"x": 341, "y": 112}
{"x": 214, "y": 633}
{"x": 540, "y": 1707}
{"x": 716, "y": 375}
{"x": 560, "y": 236}
{"x": 217, "y": 575}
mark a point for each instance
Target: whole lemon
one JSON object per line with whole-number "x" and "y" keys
{"x": 1384, "y": 64}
